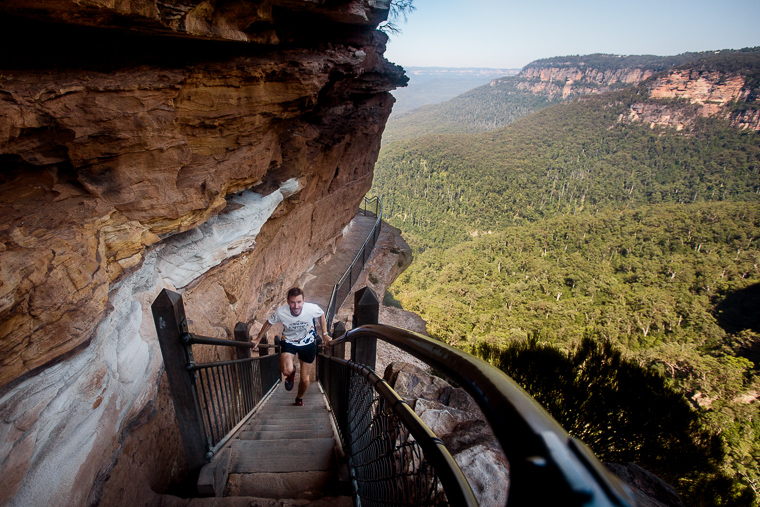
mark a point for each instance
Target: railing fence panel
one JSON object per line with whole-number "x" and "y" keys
{"x": 393, "y": 457}
{"x": 211, "y": 399}
{"x": 546, "y": 465}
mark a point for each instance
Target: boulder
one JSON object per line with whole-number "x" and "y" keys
{"x": 458, "y": 429}
{"x": 413, "y": 383}
{"x": 487, "y": 471}
{"x": 456, "y": 419}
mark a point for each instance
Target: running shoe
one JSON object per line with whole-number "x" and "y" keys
{"x": 299, "y": 402}
{"x": 290, "y": 381}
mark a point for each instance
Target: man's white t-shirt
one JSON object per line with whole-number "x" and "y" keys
{"x": 301, "y": 329}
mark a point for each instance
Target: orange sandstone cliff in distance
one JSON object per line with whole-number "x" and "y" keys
{"x": 215, "y": 149}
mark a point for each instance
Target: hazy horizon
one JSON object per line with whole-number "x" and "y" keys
{"x": 506, "y": 34}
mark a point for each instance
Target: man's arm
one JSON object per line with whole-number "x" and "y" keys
{"x": 263, "y": 331}
{"x": 323, "y": 326}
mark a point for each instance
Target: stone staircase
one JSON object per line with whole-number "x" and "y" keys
{"x": 286, "y": 456}
{"x": 283, "y": 452}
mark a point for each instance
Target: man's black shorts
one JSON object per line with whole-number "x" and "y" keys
{"x": 306, "y": 353}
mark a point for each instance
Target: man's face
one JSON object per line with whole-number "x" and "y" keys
{"x": 296, "y": 305}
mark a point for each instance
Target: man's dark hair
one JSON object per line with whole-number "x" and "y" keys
{"x": 294, "y": 292}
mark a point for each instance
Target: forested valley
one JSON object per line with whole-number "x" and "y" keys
{"x": 609, "y": 266}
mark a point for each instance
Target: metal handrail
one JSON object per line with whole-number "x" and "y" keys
{"x": 224, "y": 397}
{"x": 367, "y": 201}
{"x": 211, "y": 400}
{"x": 362, "y": 254}
{"x": 547, "y": 465}
{"x": 196, "y": 339}
{"x": 387, "y": 443}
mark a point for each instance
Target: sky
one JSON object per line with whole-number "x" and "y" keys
{"x": 508, "y": 34}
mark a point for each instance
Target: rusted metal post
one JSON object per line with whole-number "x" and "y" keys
{"x": 366, "y": 311}
{"x": 171, "y": 324}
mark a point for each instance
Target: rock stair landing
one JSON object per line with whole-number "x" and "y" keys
{"x": 286, "y": 451}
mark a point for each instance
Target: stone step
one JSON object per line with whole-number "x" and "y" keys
{"x": 253, "y": 456}
{"x": 247, "y": 501}
{"x": 296, "y": 485}
{"x": 286, "y": 451}
{"x": 282, "y": 396}
{"x": 287, "y": 423}
{"x": 315, "y": 418}
{"x": 304, "y": 415}
{"x": 280, "y": 433}
{"x": 280, "y": 415}
{"x": 292, "y": 412}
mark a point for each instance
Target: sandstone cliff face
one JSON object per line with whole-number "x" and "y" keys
{"x": 132, "y": 163}
{"x": 703, "y": 90}
{"x": 709, "y": 93}
{"x": 564, "y": 82}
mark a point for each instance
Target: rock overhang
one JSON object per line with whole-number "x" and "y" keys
{"x": 264, "y": 22}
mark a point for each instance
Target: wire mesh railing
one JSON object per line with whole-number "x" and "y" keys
{"x": 393, "y": 456}
{"x": 370, "y": 207}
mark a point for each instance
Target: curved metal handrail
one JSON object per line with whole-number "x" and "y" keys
{"x": 452, "y": 480}
{"x": 547, "y": 465}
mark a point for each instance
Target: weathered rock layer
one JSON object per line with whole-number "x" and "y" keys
{"x": 565, "y": 82}
{"x": 134, "y": 161}
{"x": 709, "y": 93}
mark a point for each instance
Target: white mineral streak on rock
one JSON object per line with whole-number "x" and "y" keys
{"x": 192, "y": 253}
{"x": 55, "y": 420}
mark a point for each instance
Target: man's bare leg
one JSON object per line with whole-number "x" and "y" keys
{"x": 303, "y": 385}
{"x": 286, "y": 364}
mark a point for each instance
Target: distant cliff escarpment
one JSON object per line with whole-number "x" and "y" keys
{"x": 706, "y": 91}
{"x": 712, "y": 84}
{"x": 213, "y": 148}
{"x": 568, "y": 76}
{"x": 716, "y": 83}
{"x": 562, "y": 78}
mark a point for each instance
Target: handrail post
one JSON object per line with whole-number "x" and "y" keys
{"x": 339, "y": 329}
{"x": 171, "y": 323}
{"x": 244, "y": 369}
{"x": 241, "y": 335}
{"x": 264, "y": 346}
{"x": 366, "y": 311}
